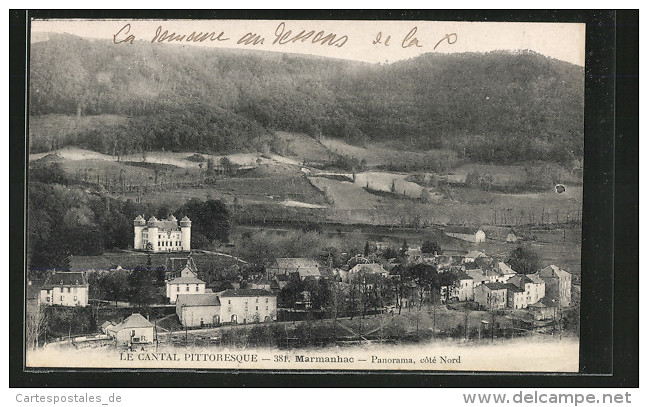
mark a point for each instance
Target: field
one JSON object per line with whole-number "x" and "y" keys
{"x": 377, "y": 155}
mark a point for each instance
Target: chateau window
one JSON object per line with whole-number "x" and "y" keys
{"x": 158, "y": 244}
{"x": 266, "y": 300}
{"x": 61, "y": 298}
{"x": 48, "y": 299}
{"x": 75, "y": 298}
{"x": 257, "y": 300}
{"x": 68, "y": 289}
{"x": 266, "y": 307}
{"x": 257, "y": 308}
{"x": 229, "y": 301}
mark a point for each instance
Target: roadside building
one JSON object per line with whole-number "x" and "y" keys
{"x": 247, "y": 306}
{"x": 516, "y": 297}
{"x": 133, "y": 330}
{"x": 557, "y": 284}
{"x": 533, "y": 286}
{"x": 464, "y": 289}
{"x": 492, "y": 295}
{"x": 511, "y": 237}
{"x": 65, "y": 288}
{"x": 543, "y": 309}
{"x": 198, "y": 310}
{"x": 184, "y": 285}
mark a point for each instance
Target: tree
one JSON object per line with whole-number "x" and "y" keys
{"x": 429, "y": 246}
{"x": 367, "y": 249}
{"x": 524, "y": 260}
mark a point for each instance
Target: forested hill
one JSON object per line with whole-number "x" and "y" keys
{"x": 498, "y": 106}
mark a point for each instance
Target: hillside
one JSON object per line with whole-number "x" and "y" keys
{"x": 493, "y": 107}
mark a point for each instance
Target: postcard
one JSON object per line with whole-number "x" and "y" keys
{"x": 304, "y": 195}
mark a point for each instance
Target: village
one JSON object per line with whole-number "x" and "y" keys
{"x": 383, "y": 283}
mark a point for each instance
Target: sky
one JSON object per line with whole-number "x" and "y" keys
{"x": 353, "y": 40}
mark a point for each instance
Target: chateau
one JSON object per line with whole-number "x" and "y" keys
{"x": 162, "y": 235}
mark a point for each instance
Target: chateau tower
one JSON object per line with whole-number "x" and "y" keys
{"x": 185, "y": 227}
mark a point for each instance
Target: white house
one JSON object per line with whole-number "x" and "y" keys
{"x": 533, "y": 286}
{"x": 464, "y": 289}
{"x": 198, "y": 310}
{"x": 133, "y": 330}
{"x": 162, "y": 235}
{"x": 504, "y": 272}
{"x": 65, "y": 288}
{"x": 186, "y": 284}
{"x": 247, "y": 306}
{"x": 469, "y": 234}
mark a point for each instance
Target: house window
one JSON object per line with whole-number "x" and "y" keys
{"x": 257, "y": 300}
{"x": 187, "y": 287}
{"x": 197, "y": 288}
{"x": 132, "y": 332}
{"x": 48, "y": 299}
{"x": 266, "y": 300}
{"x": 177, "y": 288}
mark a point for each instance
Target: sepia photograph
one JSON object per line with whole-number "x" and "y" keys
{"x": 304, "y": 195}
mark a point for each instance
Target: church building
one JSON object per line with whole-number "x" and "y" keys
{"x": 162, "y": 235}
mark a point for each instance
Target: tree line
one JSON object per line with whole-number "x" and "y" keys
{"x": 493, "y": 107}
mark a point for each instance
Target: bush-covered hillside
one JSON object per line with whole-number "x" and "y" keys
{"x": 498, "y": 106}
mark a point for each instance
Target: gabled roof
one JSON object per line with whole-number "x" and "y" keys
{"x": 535, "y": 278}
{"x": 195, "y": 300}
{"x": 372, "y": 268}
{"x": 520, "y": 280}
{"x": 514, "y": 288}
{"x": 282, "y": 277}
{"x": 504, "y": 268}
{"x": 553, "y": 271}
{"x": 186, "y": 280}
{"x": 496, "y": 286}
{"x": 133, "y": 321}
{"x": 249, "y": 292}
{"x": 476, "y": 275}
{"x": 65, "y": 278}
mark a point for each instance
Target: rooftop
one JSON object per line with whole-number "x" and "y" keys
{"x": 65, "y": 278}
{"x": 249, "y": 292}
{"x": 194, "y": 300}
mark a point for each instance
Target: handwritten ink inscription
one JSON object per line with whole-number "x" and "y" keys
{"x": 282, "y": 36}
